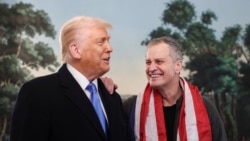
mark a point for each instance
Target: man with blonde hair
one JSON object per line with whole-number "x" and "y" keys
{"x": 72, "y": 104}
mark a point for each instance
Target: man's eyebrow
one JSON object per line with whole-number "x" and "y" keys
{"x": 159, "y": 59}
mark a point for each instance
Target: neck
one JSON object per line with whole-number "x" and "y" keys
{"x": 170, "y": 96}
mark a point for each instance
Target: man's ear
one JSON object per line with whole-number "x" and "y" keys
{"x": 178, "y": 66}
{"x": 74, "y": 51}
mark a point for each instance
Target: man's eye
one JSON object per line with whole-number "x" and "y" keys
{"x": 147, "y": 62}
{"x": 100, "y": 42}
{"x": 159, "y": 62}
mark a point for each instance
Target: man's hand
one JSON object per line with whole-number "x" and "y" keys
{"x": 109, "y": 84}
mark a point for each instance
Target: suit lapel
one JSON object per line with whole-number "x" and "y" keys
{"x": 74, "y": 92}
{"x": 109, "y": 106}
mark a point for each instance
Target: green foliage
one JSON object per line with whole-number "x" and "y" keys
{"x": 7, "y": 95}
{"x": 11, "y": 71}
{"x": 37, "y": 55}
{"x": 201, "y": 39}
{"x": 207, "y": 17}
{"x": 21, "y": 21}
{"x": 21, "y": 17}
{"x": 46, "y": 54}
{"x": 179, "y": 13}
{"x": 244, "y": 78}
{"x": 229, "y": 40}
{"x": 9, "y": 91}
{"x": 246, "y": 37}
{"x": 214, "y": 73}
{"x": 4, "y": 105}
{"x": 19, "y": 52}
{"x": 159, "y": 32}
{"x": 19, "y": 24}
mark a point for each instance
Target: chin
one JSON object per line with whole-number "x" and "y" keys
{"x": 154, "y": 85}
{"x": 104, "y": 70}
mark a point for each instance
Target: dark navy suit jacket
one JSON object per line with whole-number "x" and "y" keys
{"x": 55, "y": 108}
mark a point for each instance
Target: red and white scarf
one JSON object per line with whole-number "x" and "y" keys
{"x": 194, "y": 124}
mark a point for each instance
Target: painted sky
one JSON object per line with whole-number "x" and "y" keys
{"x": 132, "y": 21}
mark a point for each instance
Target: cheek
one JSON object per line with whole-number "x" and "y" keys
{"x": 94, "y": 53}
{"x": 99, "y": 51}
{"x": 146, "y": 69}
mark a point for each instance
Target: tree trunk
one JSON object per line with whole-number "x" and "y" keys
{"x": 4, "y": 125}
{"x": 230, "y": 119}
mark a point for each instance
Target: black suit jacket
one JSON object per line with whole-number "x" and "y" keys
{"x": 55, "y": 108}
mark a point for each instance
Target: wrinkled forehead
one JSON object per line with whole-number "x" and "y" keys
{"x": 158, "y": 49}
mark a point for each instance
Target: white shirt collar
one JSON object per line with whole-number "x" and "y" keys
{"x": 83, "y": 82}
{"x": 80, "y": 78}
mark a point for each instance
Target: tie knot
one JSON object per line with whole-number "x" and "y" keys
{"x": 91, "y": 87}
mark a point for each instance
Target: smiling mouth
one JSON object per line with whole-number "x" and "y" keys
{"x": 154, "y": 75}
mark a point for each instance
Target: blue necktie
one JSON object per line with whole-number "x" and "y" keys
{"x": 97, "y": 105}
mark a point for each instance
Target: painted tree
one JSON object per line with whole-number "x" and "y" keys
{"x": 20, "y": 53}
{"x": 215, "y": 65}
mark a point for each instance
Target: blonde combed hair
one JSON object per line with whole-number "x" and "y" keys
{"x": 72, "y": 30}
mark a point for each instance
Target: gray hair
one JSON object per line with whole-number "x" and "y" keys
{"x": 175, "y": 47}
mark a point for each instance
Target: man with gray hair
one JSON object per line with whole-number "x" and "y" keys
{"x": 170, "y": 108}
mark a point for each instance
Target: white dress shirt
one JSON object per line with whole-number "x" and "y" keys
{"x": 83, "y": 82}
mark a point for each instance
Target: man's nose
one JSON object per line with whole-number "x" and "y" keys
{"x": 109, "y": 47}
{"x": 152, "y": 67}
